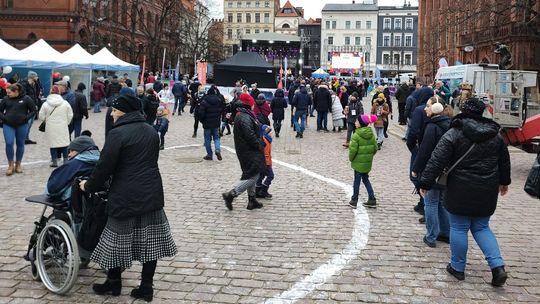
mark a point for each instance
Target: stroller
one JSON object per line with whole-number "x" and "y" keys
{"x": 53, "y": 250}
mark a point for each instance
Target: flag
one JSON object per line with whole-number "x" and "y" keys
{"x": 285, "y": 63}
{"x": 378, "y": 74}
{"x": 280, "y": 84}
{"x": 141, "y": 81}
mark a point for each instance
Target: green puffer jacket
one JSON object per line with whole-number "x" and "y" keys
{"x": 362, "y": 148}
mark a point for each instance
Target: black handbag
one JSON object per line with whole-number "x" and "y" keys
{"x": 442, "y": 180}
{"x": 532, "y": 184}
{"x": 43, "y": 124}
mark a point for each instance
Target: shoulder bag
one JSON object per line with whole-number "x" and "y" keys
{"x": 532, "y": 185}
{"x": 44, "y": 123}
{"x": 443, "y": 178}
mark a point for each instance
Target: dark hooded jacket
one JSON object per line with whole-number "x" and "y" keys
{"x": 433, "y": 131}
{"x": 248, "y": 142}
{"x": 130, "y": 156}
{"x": 301, "y": 100}
{"x": 113, "y": 89}
{"x": 210, "y": 110}
{"x": 410, "y": 103}
{"x": 278, "y": 105}
{"x": 418, "y": 119}
{"x": 323, "y": 100}
{"x": 473, "y": 185}
{"x": 80, "y": 107}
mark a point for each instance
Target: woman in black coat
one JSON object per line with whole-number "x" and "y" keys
{"x": 137, "y": 227}
{"x": 473, "y": 186}
{"x": 249, "y": 150}
{"x": 278, "y": 106}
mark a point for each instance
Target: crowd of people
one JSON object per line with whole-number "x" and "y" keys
{"x": 443, "y": 130}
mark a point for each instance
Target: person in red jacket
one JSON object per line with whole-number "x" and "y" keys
{"x": 262, "y": 110}
{"x": 267, "y": 175}
{"x": 98, "y": 93}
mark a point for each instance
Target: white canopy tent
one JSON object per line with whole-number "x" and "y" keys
{"x": 8, "y": 54}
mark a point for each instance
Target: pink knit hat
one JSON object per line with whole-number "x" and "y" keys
{"x": 368, "y": 119}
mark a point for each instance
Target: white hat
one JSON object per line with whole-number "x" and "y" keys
{"x": 437, "y": 108}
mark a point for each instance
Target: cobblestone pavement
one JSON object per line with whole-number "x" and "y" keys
{"x": 255, "y": 256}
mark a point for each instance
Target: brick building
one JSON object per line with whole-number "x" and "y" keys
{"x": 467, "y": 31}
{"x": 129, "y": 28}
{"x": 215, "y": 41}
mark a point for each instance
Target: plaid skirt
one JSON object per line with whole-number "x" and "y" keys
{"x": 142, "y": 238}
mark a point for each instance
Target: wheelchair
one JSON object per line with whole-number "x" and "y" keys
{"x": 53, "y": 251}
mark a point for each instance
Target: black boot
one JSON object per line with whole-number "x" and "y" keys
{"x": 258, "y": 192}
{"x": 264, "y": 192}
{"x": 145, "y": 291}
{"x": 194, "y": 135}
{"x": 228, "y": 197}
{"x": 113, "y": 284}
{"x": 499, "y": 276}
{"x": 253, "y": 203}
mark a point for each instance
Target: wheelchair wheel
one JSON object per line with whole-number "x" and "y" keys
{"x": 57, "y": 257}
{"x": 33, "y": 266}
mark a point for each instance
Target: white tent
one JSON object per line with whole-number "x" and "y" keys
{"x": 8, "y": 54}
{"x": 77, "y": 55}
{"x": 41, "y": 54}
{"x": 106, "y": 58}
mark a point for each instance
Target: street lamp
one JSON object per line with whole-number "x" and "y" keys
{"x": 95, "y": 21}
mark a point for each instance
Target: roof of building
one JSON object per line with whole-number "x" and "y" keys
{"x": 293, "y": 11}
{"x": 311, "y": 21}
{"x": 271, "y": 37}
{"x": 350, "y": 7}
{"x": 399, "y": 8}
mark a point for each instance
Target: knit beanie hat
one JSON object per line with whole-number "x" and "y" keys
{"x": 365, "y": 120}
{"x": 473, "y": 106}
{"x": 437, "y": 108}
{"x": 126, "y": 91}
{"x": 82, "y": 143}
{"x": 127, "y": 103}
{"x": 245, "y": 98}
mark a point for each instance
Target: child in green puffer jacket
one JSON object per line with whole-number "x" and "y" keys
{"x": 362, "y": 148}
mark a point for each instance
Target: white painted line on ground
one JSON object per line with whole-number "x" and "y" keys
{"x": 324, "y": 272}
{"x": 37, "y": 162}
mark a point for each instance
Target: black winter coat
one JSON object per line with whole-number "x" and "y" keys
{"x": 130, "y": 156}
{"x": 402, "y": 93}
{"x": 210, "y": 111}
{"x": 323, "y": 100}
{"x": 248, "y": 143}
{"x": 80, "y": 108}
{"x": 473, "y": 185}
{"x": 301, "y": 100}
{"x": 433, "y": 131}
{"x": 15, "y": 112}
{"x": 278, "y": 106}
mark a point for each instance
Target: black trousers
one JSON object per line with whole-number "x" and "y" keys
{"x": 402, "y": 119}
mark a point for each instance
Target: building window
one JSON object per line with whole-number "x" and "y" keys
{"x": 408, "y": 59}
{"x": 286, "y": 26}
{"x": 267, "y": 4}
{"x": 347, "y": 40}
{"x": 387, "y": 24}
{"x": 287, "y": 11}
{"x": 229, "y": 34}
{"x": 367, "y": 57}
{"x": 327, "y": 24}
{"x": 266, "y": 17}
{"x": 238, "y": 33}
{"x": 368, "y": 25}
{"x": 358, "y": 24}
{"x": 266, "y": 30}
{"x": 334, "y": 25}
{"x": 386, "y": 41}
{"x": 239, "y": 17}
{"x": 397, "y": 24}
{"x": 408, "y": 40}
{"x": 368, "y": 40}
{"x": 257, "y": 4}
{"x": 347, "y": 25}
{"x": 248, "y": 4}
{"x": 238, "y": 4}
{"x": 230, "y": 17}
{"x": 248, "y": 31}
{"x": 330, "y": 40}
{"x": 397, "y": 40}
{"x": 257, "y": 17}
{"x": 257, "y": 31}
{"x": 248, "y": 18}
{"x": 396, "y": 59}
{"x": 386, "y": 58}
{"x": 408, "y": 23}
{"x": 230, "y": 4}
{"x": 357, "y": 40}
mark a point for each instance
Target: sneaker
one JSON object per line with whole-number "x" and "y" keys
{"x": 371, "y": 203}
{"x": 29, "y": 142}
{"x": 385, "y": 135}
{"x": 297, "y": 135}
{"x": 207, "y": 157}
{"x": 301, "y": 135}
{"x": 430, "y": 244}
{"x": 419, "y": 208}
{"x": 457, "y": 274}
{"x": 162, "y": 147}
{"x": 353, "y": 204}
{"x": 499, "y": 276}
{"x": 218, "y": 155}
{"x": 379, "y": 146}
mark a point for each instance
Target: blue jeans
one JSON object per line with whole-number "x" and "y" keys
{"x": 75, "y": 126}
{"x": 55, "y": 152}
{"x": 436, "y": 215}
{"x": 29, "y": 127}
{"x": 322, "y": 120}
{"x": 380, "y": 135}
{"x": 484, "y": 237}
{"x": 97, "y": 106}
{"x": 364, "y": 177}
{"x": 300, "y": 127}
{"x": 12, "y": 135}
{"x": 266, "y": 177}
{"x": 210, "y": 134}
{"x": 178, "y": 104}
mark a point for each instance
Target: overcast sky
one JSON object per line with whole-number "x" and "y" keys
{"x": 312, "y": 8}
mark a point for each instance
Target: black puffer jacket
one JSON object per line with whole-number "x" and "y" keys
{"x": 473, "y": 186}
{"x": 80, "y": 108}
{"x": 210, "y": 110}
{"x": 323, "y": 100}
{"x": 247, "y": 142}
{"x": 278, "y": 105}
{"x": 130, "y": 157}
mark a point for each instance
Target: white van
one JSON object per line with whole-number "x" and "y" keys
{"x": 453, "y": 76}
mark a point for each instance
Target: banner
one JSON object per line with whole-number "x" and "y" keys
{"x": 280, "y": 84}
{"x": 202, "y": 68}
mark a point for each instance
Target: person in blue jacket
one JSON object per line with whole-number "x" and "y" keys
{"x": 82, "y": 159}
